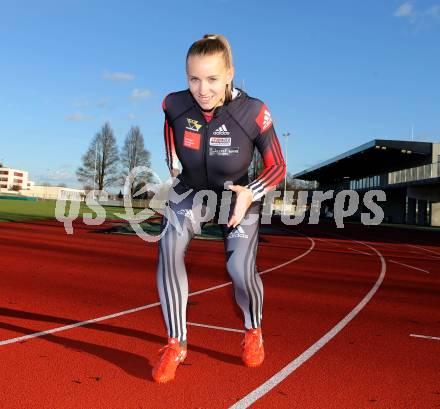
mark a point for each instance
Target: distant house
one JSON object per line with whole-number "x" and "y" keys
{"x": 17, "y": 181}
{"x": 14, "y": 180}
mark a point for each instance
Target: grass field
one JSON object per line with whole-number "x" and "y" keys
{"x": 18, "y": 210}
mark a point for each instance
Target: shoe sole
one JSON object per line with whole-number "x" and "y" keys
{"x": 168, "y": 380}
{"x": 249, "y": 365}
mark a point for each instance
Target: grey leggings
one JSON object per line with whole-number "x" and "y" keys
{"x": 185, "y": 214}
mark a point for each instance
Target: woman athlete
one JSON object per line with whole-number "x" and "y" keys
{"x": 212, "y": 128}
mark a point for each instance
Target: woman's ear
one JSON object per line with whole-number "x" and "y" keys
{"x": 230, "y": 76}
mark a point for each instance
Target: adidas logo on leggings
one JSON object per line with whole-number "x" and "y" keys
{"x": 238, "y": 233}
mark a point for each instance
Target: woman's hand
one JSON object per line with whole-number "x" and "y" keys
{"x": 244, "y": 200}
{"x": 174, "y": 172}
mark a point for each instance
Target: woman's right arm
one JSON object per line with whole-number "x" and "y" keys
{"x": 171, "y": 157}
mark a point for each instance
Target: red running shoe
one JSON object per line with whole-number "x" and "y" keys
{"x": 173, "y": 354}
{"x": 253, "y": 350}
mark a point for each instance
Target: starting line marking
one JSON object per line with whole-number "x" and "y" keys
{"x": 143, "y": 307}
{"x": 257, "y": 393}
{"x": 214, "y": 327}
{"x": 424, "y": 336}
{"x": 407, "y": 265}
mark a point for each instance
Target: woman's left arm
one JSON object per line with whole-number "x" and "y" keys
{"x": 273, "y": 173}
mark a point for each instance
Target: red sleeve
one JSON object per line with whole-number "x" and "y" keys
{"x": 171, "y": 158}
{"x": 269, "y": 147}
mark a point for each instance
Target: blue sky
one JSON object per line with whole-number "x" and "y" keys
{"x": 334, "y": 74}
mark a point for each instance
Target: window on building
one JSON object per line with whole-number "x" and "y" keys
{"x": 18, "y": 174}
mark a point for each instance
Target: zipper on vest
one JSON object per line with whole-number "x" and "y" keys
{"x": 205, "y": 142}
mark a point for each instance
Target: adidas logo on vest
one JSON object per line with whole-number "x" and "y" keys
{"x": 221, "y": 131}
{"x": 267, "y": 119}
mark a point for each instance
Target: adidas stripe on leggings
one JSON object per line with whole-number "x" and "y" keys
{"x": 185, "y": 214}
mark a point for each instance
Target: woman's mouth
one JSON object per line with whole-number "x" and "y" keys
{"x": 205, "y": 99}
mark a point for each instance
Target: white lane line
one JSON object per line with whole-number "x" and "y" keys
{"x": 76, "y": 324}
{"x": 328, "y": 242}
{"x": 425, "y": 255}
{"x": 359, "y": 251}
{"x": 424, "y": 336}
{"x": 144, "y": 307}
{"x": 214, "y": 327}
{"x": 312, "y": 246}
{"x": 407, "y": 265}
{"x": 297, "y": 362}
{"x": 423, "y": 248}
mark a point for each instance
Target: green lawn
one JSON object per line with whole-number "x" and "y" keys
{"x": 21, "y": 210}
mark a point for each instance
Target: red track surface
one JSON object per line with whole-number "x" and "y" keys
{"x": 49, "y": 279}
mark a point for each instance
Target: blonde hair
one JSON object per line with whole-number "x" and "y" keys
{"x": 212, "y": 44}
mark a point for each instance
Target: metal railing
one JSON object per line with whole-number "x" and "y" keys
{"x": 428, "y": 171}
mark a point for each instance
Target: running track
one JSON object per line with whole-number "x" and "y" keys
{"x": 351, "y": 320}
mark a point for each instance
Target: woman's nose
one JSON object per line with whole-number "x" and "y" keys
{"x": 203, "y": 88}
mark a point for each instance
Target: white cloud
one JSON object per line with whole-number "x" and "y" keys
{"x": 118, "y": 76}
{"x": 78, "y": 116}
{"x": 81, "y": 103}
{"x": 410, "y": 12}
{"x": 84, "y": 103}
{"x": 140, "y": 93}
{"x": 405, "y": 10}
{"x": 132, "y": 116}
{"x": 62, "y": 175}
{"x": 102, "y": 103}
{"x": 433, "y": 11}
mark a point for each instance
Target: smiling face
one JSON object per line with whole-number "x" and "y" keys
{"x": 207, "y": 79}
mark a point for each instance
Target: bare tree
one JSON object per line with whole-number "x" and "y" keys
{"x": 256, "y": 166}
{"x": 134, "y": 154}
{"x": 100, "y": 162}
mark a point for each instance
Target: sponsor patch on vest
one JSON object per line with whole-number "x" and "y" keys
{"x": 191, "y": 140}
{"x": 217, "y": 141}
{"x": 223, "y": 151}
{"x": 193, "y": 125}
